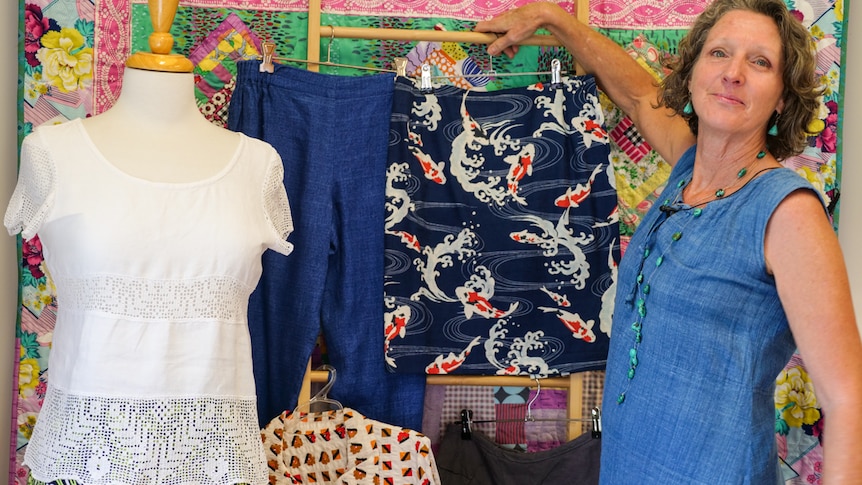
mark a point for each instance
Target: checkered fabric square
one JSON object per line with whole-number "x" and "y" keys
{"x": 630, "y": 140}
{"x": 479, "y": 399}
{"x": 510, "y": 426}
{"x": 594, "y": 383}
{"x": 548, "y": 428}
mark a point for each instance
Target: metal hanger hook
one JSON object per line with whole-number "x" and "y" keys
{"x": 491, "y": 71}
{"x": 529, "y": 416}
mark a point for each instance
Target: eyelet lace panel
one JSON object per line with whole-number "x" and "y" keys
{"x": 34, "y": 194}
{"x": 277, "y": 206}
{"x": 146, "y": 441}
{"x": 212, "y": 297}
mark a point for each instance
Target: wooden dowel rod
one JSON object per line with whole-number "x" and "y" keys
{"x": 574, "y": 404}
{"x": 520, "y": 381}
{"x": 305, "y": 389}
{"x": 313, "y": 34}
{"x": 460, "y": 380}
{"x": 425, "y": 35}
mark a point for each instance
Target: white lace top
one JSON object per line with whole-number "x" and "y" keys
{"x": 150, "y": 372}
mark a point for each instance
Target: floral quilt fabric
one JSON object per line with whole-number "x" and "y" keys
{"x": 71, "y": 58}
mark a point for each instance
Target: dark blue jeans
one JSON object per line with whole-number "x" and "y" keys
{"x": 332, "y": 135}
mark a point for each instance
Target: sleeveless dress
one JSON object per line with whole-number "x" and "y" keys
{"x": 150, "y": 370}
{"x": 697, "y": 405}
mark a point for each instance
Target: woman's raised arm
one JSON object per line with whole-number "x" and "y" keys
{"x": 627, "y": 84}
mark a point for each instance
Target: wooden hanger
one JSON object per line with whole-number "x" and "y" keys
{"x": 162, "y": 14}
{"x": 426, "y": 79}
{"x": 269, "y": 55}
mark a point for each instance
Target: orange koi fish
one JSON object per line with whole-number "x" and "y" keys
{"x": 591, "y": 131}
{"x": 580, "y": 329}
{"x": 433, "y": 171}
{"x": 594, "y": 129}
{"x": 575, "y": 195}
{"x": 470, "y": 126}
{"x": 396, "y": 324}
{"x": 518, "y": 171}
{"x": 410, "y": 240}
{"x": 613, "y": 218}
{"x": 445, "y": 365}
{"x": 395, "y": 328}
{"x": 560, "y": 300}
{"x": 474, "y": 303}
{"x": 414, "y": 138}
{"x": 524, "y": 236}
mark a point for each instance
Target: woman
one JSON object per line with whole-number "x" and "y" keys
{"x": 736, "y": 266}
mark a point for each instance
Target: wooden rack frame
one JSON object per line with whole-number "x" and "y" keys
{"x": 573, "y": 383}
{"x": 316, "y": 32}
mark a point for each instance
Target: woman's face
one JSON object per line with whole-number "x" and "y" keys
{"x": 736, "y": 82}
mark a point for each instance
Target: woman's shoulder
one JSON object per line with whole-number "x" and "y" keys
{"x": 783, "y": 180}
{"x": 773, "y": 186}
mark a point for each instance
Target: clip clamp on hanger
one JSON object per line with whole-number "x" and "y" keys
{"x": 466, "y": 418}
{"x": 555, "y": 74}
{"x": 268, "y": 51}
{"x": 425, "y": 81}
{"x": 400, "y": 66}
{"x": 597, "y": 422}
{"x": 492, "y": 73}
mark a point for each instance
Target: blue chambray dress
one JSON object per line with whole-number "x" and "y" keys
{"x": 699, "y": 408}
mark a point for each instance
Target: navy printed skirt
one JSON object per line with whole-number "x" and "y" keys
{"x": 502, "y": 234}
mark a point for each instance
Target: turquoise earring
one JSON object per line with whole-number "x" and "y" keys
{"x": 688, "y": 109}
{"x": 773, "y": 130}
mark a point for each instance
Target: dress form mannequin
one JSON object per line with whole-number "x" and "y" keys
{"x": 153, "y": 222}
{"x": 154, "y": 130}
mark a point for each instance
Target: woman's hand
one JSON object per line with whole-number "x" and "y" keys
{"x": 619, "y": 76}
{"x": 514, "y": 26}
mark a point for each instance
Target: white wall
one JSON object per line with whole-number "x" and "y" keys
{"x": 8, "y": 258}
{"x": 850, "y": 219}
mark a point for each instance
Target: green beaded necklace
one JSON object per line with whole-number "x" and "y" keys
{"x": 719, "y": 193}
{"x": 642, "y": 286}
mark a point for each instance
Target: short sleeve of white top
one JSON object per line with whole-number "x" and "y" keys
{"x": 150, "y": 369}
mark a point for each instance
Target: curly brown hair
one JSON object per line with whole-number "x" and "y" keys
{"x": 801, "y": 84}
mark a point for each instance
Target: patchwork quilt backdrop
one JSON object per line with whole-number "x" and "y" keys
{"x": 71, "y": 58}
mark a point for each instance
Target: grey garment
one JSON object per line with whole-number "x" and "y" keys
{"x": 480, "y": 461}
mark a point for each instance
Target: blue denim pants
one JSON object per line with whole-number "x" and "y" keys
{"x": 332, "y": 135}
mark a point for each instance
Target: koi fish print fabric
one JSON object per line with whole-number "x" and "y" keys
{"x": 346, "y": 448}
{"x": 501, "y": 231}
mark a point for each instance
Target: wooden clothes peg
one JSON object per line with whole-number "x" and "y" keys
{"x": 162, "y": 14}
